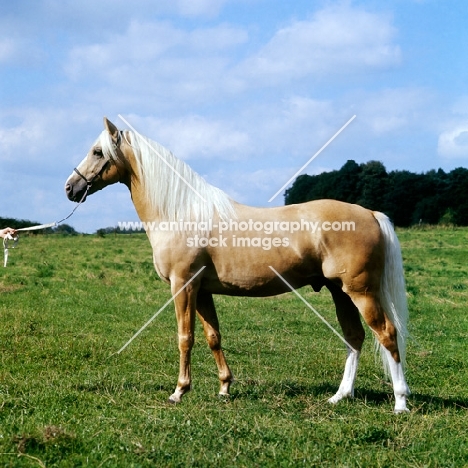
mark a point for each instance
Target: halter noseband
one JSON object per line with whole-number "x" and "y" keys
{"x": 88, "y": 182}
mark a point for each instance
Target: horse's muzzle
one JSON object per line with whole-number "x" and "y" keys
{"x": 75, "y": 192}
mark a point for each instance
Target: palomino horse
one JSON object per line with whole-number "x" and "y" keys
{"x": 201, "y": 237}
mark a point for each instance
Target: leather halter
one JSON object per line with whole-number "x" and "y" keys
{"x": 90, "y": 181}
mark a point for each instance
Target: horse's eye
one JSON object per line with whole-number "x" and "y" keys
{"x": 97, "y": 152}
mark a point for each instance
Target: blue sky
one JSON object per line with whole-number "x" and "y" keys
{"x": 245, "y": 91}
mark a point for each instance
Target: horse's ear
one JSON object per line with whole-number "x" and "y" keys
{"x": 112, "y": 129}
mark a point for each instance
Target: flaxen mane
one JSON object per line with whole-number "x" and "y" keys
{"x": 171, "y": 186}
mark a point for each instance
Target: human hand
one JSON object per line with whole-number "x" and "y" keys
{"x": 6, "y": 231}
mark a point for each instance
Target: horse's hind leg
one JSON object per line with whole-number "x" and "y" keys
{"x": 207, "y": 315}
{"x": 386, "y": 334}
{"x": 354, "y": 334}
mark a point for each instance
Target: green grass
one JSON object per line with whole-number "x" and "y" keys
{"x": 68, "y": 303}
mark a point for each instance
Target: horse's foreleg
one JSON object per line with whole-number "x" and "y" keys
{"x": 207, "y": 314}
{"x": 354, "y": 334}
{"x": 386, "y": 334}
{"x": 185, "y": 313}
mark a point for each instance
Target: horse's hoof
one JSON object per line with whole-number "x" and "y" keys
{"x": 176, "y": 397}
{"x": 336, "y": 398}
{"x": 171, "y": 401}
{"x": 224, "y": 396}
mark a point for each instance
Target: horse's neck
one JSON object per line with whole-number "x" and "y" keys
{"x": 138, "y": 193}
{"x": 143, "y": 208}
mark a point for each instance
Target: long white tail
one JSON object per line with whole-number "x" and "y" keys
{"x": 392, "y": 286}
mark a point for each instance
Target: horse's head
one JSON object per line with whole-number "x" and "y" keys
{"x": 105, "y": 164}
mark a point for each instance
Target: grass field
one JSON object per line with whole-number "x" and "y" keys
{"x": 68, "y": 303}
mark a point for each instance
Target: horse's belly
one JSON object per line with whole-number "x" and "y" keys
{"x": 256, "y": 280}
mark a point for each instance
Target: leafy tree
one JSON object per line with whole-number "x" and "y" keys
{"x": 402, "y": 196}
{"x": 297, "y": 193}
{"x": 65, "y": 229}
{"x": 347, "y": 182}
{"x": 461, "y": 214}
{"x": 372, "y": 186}
{"x": 323, "y": 186}
{"x": 408, "y": 198}
{"x": 457, "y": 193}
{"x": 16, "y": 223}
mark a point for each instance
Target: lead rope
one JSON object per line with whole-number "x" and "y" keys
{"x": 15, "y": 238}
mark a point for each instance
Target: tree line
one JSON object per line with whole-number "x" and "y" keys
{"x": 25, "y": 223}
{"x": 407, "y": 198}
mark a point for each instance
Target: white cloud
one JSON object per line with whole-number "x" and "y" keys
{"x": 151, "y": 46}
{"x": 142, "y": 43}
{"x": 299, "y": 123}
{"x": 291, "y": 128}
{"x": 151, "y": 61}
{"x": 453, "y": 131}
{"x": 195, "y": 137}
{"x": 394, "y": 110}
{"x": 43, "y": 141}
{"x": 20, "y": 51}
{"x": 27, "y": 137}
{"x": 453, "y": 143}
{"x": 94, "y": 18}
{"x": 158, "y": 59}
{"x": 337, "y": 41}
